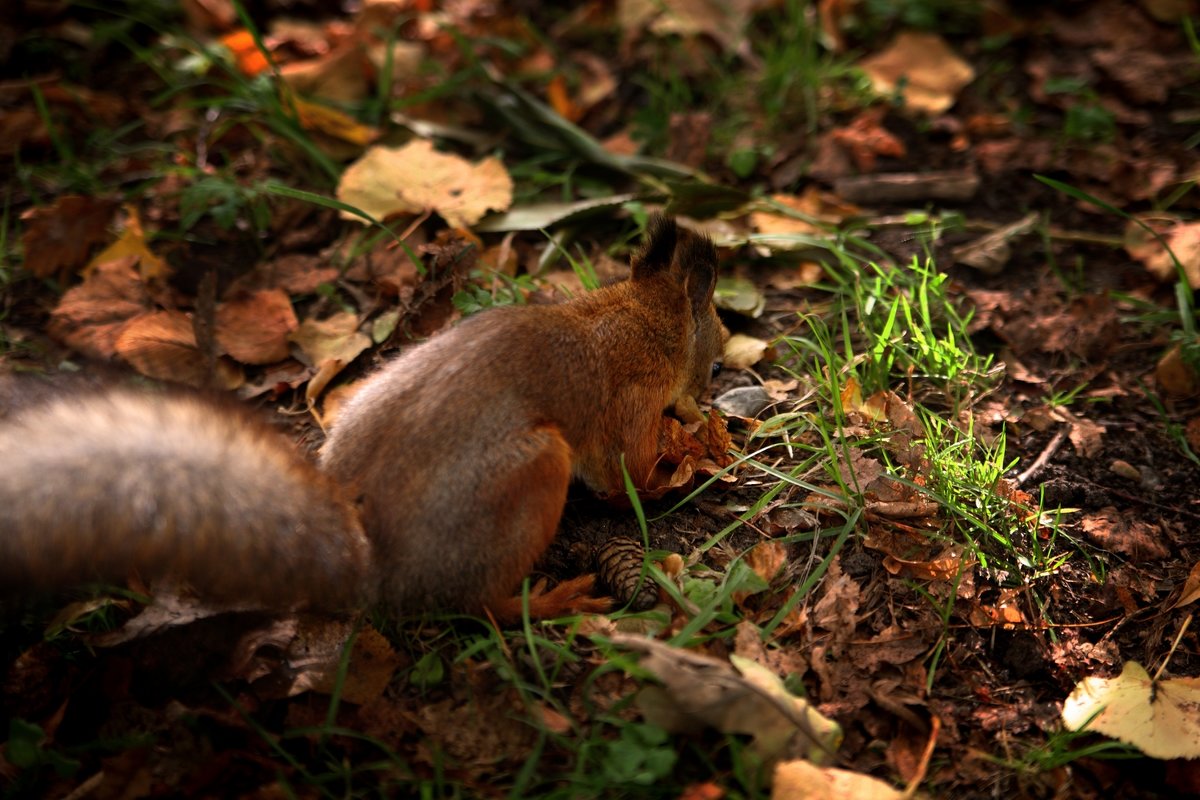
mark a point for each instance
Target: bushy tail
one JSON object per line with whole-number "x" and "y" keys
{"x": 104, "y": 485}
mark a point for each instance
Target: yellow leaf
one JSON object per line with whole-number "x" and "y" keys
{"x": 417, "y": 178}
{"x": 335, "y": 123}
{"x": 1160, "y": 718}
{"x": 131, "y": 243}
{"x": 922, "y": 66}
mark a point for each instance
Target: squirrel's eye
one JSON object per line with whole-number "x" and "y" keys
{"x": 716, "y": 368}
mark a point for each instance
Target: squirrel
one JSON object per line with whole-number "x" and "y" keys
{"x": 441, "y": 481}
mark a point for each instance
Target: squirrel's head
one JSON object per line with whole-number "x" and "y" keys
{"x": 689, "y": 260}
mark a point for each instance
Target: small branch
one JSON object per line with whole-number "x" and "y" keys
{"x": 1048, "y": 453}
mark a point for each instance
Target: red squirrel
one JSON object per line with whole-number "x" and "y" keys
{"x": 441, "y": 482}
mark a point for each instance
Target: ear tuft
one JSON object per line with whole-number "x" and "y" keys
{"x": 698, "y": 256}
{"x": 658, "y": 250}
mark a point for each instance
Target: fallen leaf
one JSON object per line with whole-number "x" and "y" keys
{"x": 340, "y": 75}
{"x": 865, "y": 140}
{"x": 1161, "y": 718}
{"x": 743, "y": 352}
{"x": 249, "y": 59}
{"x": 767, "y": 559}
{"x": 1120, "y": 532}
{"x": 1183, "y": 239}
{"x": 90, "y": 316}
{"x": 837, "y": 609}
{"x": 922, "y": 69}
{"x": 416, "y": 178}
{"x": 332, "y": 122}
{"x": 132, "y": 242}
{"x": 990, "y": 253}
{"x": 741, "y": 296}
{"x": 700, "y": 690}
{"x": 537, "y": 216}
{"x": 58, "y": 237}
{"x": 329, "y": 345}
{"x": 813, "y": 204}
{"x": 1176, "y": 377}
{"x": 1191, "y": 588}
{"x": 294, "y": 274}
{"x": 800, "y": 780}
{"x": 253, "y": 328}
{"x": 722, "y": 20}
{"x": 162, "y": 345}
{"x": 1085, "y": 435}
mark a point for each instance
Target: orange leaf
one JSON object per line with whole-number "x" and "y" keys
{"x": 89, "y": 317}
{"x": 560, "y": 99}
{"x": 254, "y": 328}
{"x": 249, "y": 59}
{"x": 162, "y": 345}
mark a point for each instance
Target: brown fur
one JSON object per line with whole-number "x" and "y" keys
{"x": 102, "y": 485}
{"x": 458, "y": 453}
{"x": 462, "y": 448}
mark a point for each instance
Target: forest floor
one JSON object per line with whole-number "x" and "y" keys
{"x": 958, "y": 247}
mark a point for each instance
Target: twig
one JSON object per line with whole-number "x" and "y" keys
{"x": 1047, "y": 453}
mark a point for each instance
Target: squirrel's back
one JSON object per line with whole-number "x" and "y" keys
{"x": 99, "y": 485}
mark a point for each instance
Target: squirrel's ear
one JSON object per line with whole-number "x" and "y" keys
{"x": 658, "y": 250}
{"x": 698, "y": 256}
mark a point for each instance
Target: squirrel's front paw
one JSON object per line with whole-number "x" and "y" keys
{"x": 567, "y": 598}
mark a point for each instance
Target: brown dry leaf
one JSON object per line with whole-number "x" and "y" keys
{"x": 90, "y": 316}
{"x": 837, "y": 609}
{"x": 340, "y": 75}
{"x": 209, "y": 15}
{"x": 329, "y": 345}
{"x": 372, "y": 664}
{"x": 58, "y": 237}
{"x": 946, "y": 566}
{"x": 416, "y": 178}
{"x": 559, "y": 98}
{"x": 598, "y": 82}
{"x": 1119, "y": 532}
{"x": 132, "y": 242}
{"x": 702, "y": 791}
{"x": 991, "y": 252}
{"x": 293, "y": 655}
{"x": 722, "y": 20}
{"x": 800, "y": 780}
{"x": 1192, "y": 432}
{"x": 1176, "y": 377}
{"x": 699, "y": 690}
{"x": 1191, "y": 588}
{"x": 22, "y": 127}
{"x": 767, "y": 559}
{"x": 1183, "y": 239}
{"x": 932, "y": 74}
{"x": 684, "y": 450}
{"x": 812, "y": 203}
{"x": 162, "y": 345}
{"x": 253, "y": 328}
{"x": 1085, "y": 435}
{"x": 294, "y": 274}
{"x": 479, "y": 733}
{"x": 1005, "y": 614}
{"x": 406, "y": 58}
{"x": 865, "y": 140}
